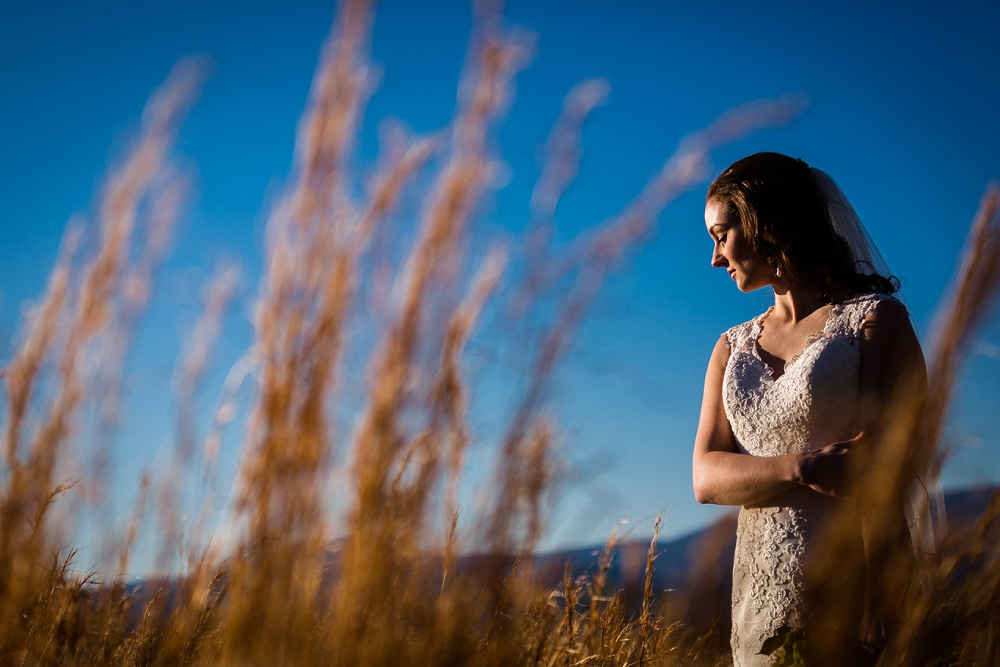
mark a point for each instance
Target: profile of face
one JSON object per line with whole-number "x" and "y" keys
{"x": 732, "y": 250}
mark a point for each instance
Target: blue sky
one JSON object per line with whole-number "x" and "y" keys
{"x": 902, "y": 113}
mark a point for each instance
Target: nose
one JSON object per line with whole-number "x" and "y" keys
{"x": 717, "y": 258}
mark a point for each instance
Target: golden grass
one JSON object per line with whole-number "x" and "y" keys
{"x": 939, "y": 607}
{"x": 384, "y": 586}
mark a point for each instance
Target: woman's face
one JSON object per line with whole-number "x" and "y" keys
{"x": 732, "y": 251}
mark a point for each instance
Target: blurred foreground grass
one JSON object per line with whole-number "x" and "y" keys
{"x": 384, "y": 584}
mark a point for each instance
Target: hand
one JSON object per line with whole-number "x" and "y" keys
{"x": 826, "y": 469}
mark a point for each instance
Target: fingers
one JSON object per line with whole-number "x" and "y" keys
{"x": 859, "y": 438}
{"x": 835, "y": 448}
{"x": 843, "y": 444}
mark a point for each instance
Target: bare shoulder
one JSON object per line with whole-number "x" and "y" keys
{"x": 887, "y": 321}
{"x": 891, "y": 350}
{"x": 722, "y": 346}
{"x": 720, "y": 353}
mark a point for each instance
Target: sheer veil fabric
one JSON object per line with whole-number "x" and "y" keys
{"x": 846, "y": 223}
{"x": 925, "y": 506}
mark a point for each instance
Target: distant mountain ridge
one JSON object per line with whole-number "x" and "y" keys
{"x": 693, "y": 571}
{"x": 702, "y": 561}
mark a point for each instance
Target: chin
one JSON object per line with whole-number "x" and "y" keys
{"x": 746, "y": 286}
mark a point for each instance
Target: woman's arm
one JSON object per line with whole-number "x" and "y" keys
{"x": 892, "y": 364}
{"x": 723, "y": 475}
{"x": 892, "y": 369}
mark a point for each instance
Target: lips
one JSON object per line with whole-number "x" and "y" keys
{"x": 732, "y": 273}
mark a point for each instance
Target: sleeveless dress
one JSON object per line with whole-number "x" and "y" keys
{"x": 816, "y": 402}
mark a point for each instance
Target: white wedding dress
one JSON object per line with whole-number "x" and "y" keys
{"x": 814, "y": 403}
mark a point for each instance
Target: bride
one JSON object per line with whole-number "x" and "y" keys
{"x": 792, "y": 394}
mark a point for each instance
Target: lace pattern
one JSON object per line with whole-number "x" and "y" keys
{"x": 815, "y": 402}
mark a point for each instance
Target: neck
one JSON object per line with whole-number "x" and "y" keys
{"x": 795, "y": 303}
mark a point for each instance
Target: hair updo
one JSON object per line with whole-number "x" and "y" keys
{"x": 786, "y": 222}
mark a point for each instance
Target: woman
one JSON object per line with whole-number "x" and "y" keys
{"x": 791, "y": 394}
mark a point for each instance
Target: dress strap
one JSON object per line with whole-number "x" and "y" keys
{"x": 849, "y": 317}
{"x": 743, "y": 336}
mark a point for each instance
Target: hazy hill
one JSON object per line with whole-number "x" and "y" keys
{"x": 693, "y": 571}
{"x": 697, "y": 568}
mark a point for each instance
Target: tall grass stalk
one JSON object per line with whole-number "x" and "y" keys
{"x": 932, "y": 598}
{"x": 394, "y": 579}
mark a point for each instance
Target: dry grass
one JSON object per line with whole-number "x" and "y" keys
{"x": 939, "y": 607}
{"x": 383, "y": 585}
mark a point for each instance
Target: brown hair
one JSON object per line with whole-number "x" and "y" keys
{"x": 785, "y": 221}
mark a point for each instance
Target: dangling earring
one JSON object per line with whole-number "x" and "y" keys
{"x": 777, "y": 272}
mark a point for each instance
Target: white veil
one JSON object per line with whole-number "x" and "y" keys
{"x": 925, "y": 504}
{"x": 846, "y": 223}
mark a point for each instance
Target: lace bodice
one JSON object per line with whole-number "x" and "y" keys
{"x": 814, "y": 403}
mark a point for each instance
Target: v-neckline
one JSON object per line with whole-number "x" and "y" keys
{"x": 810, "y": 339}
